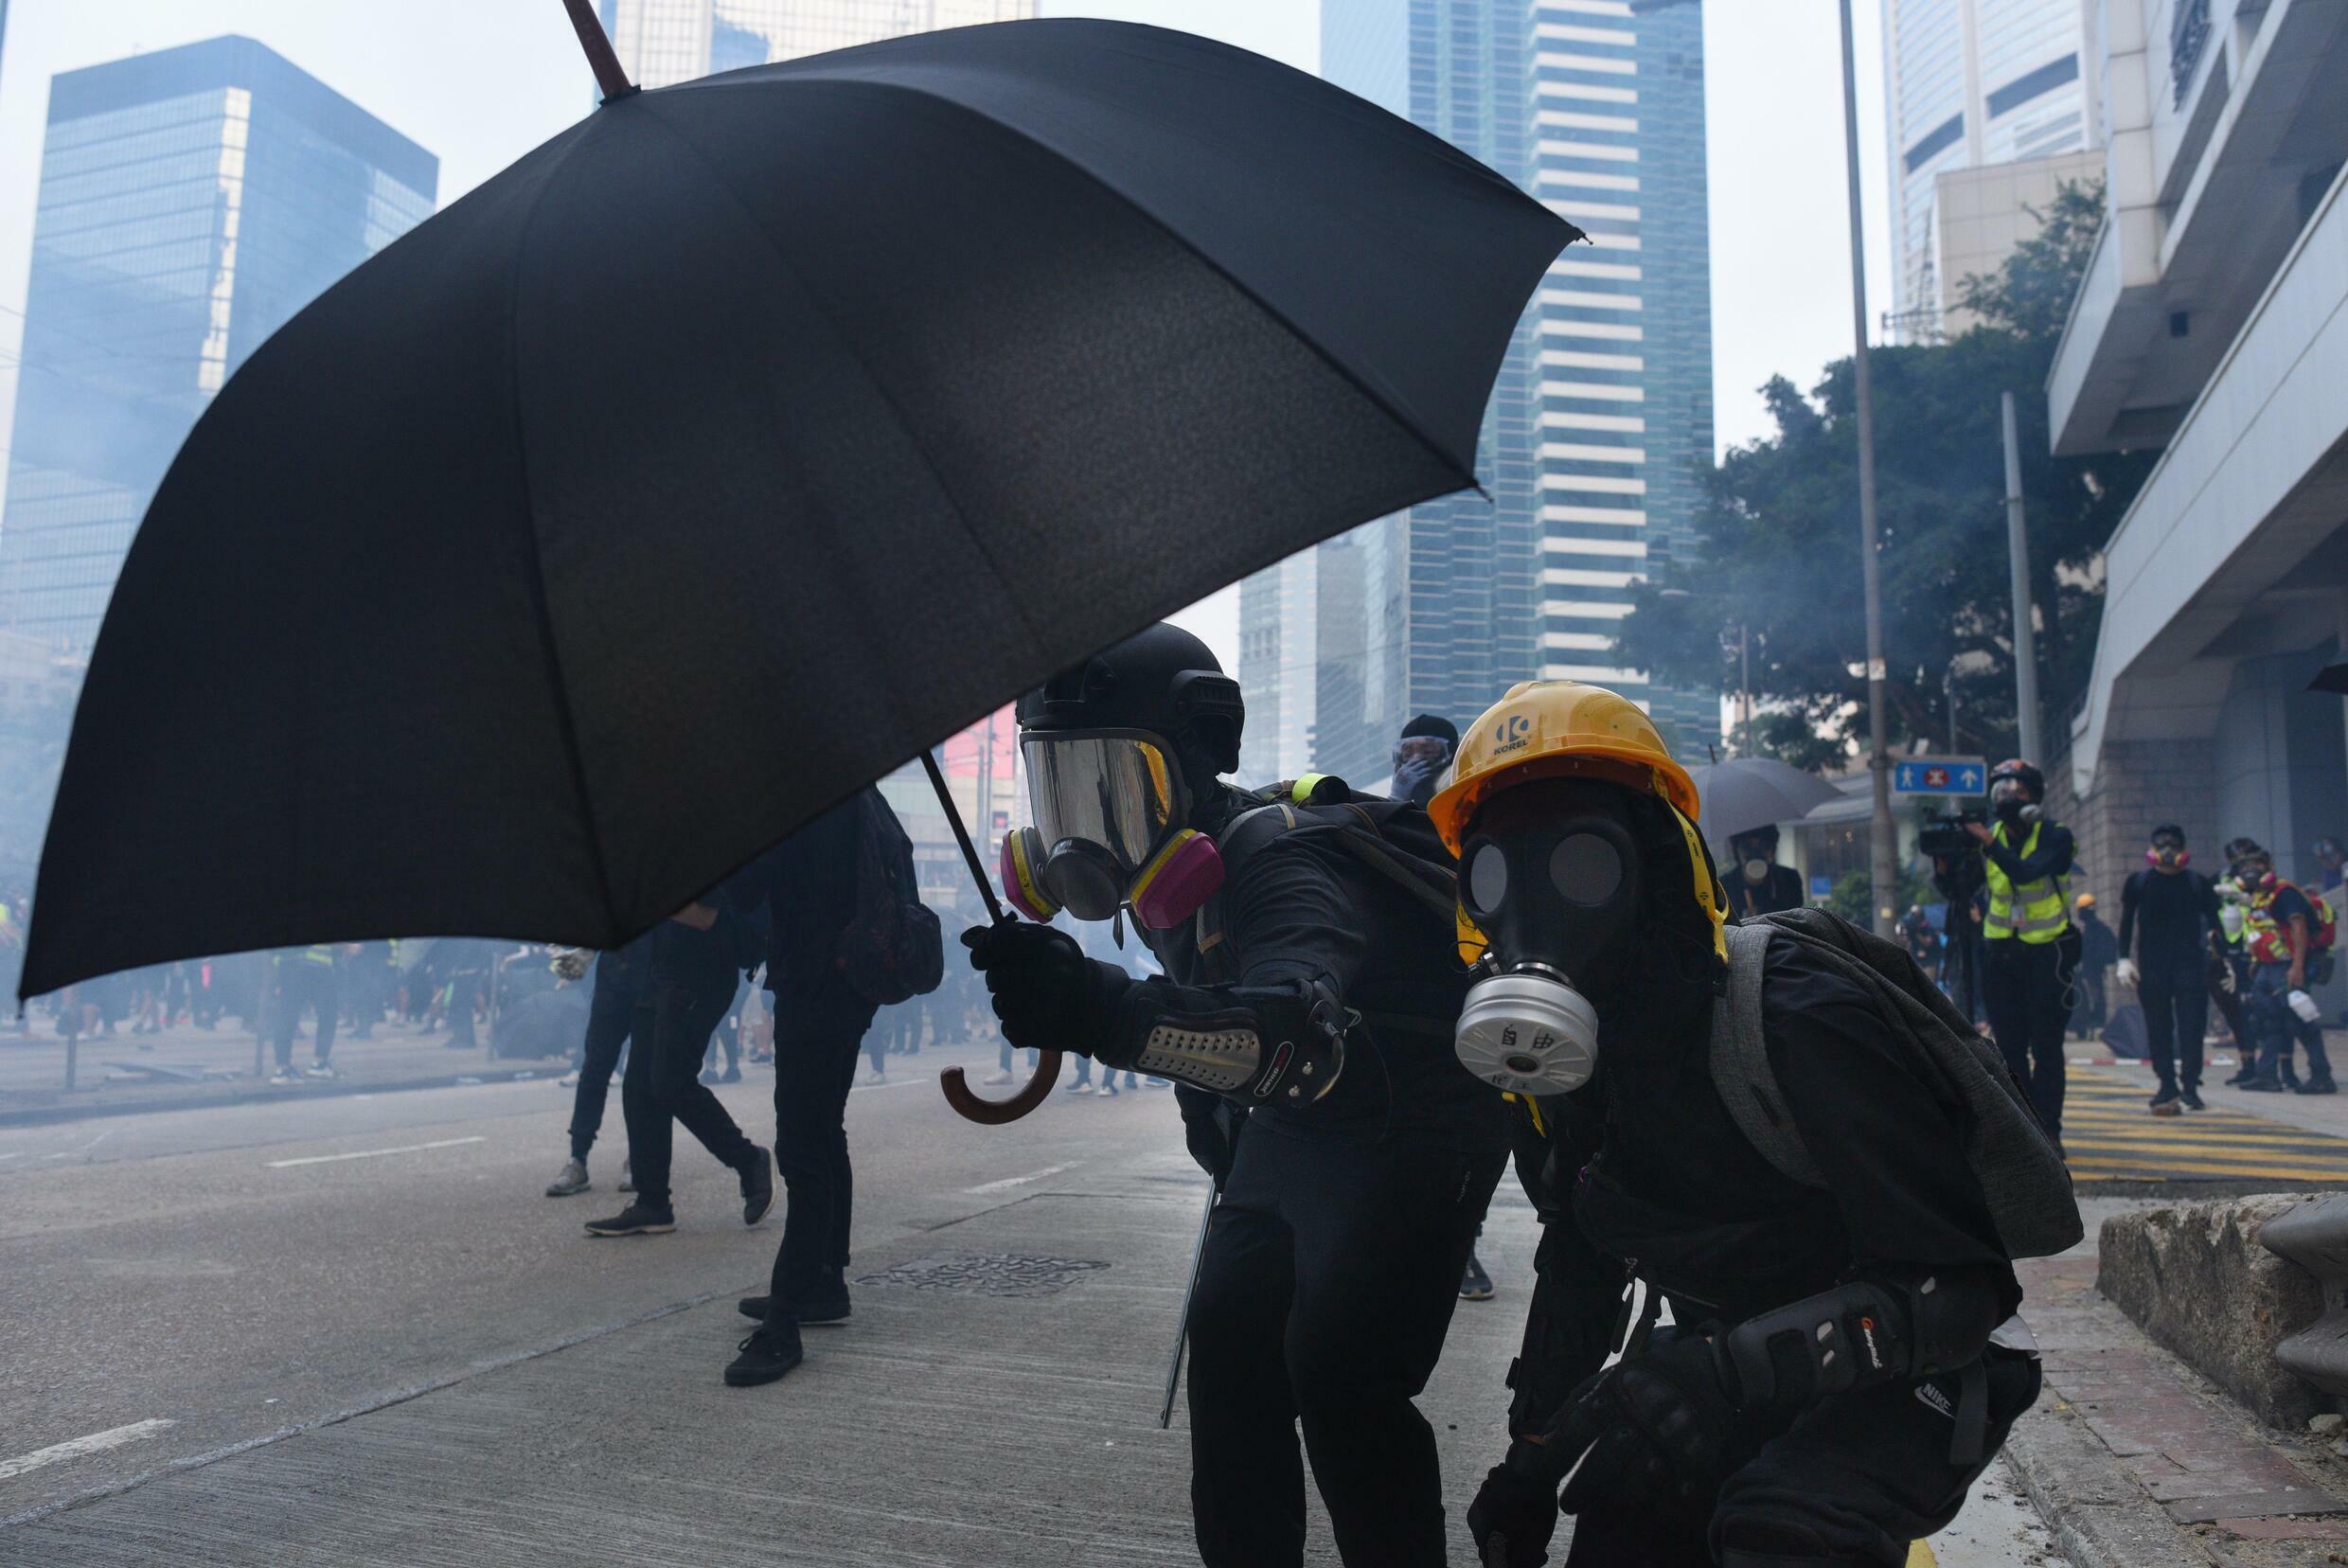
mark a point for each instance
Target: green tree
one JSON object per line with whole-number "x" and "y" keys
{"x": 1780, "y": 548}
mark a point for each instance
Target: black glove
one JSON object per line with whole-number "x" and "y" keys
{"x": 1646, "y": 1430}
{"x": 1516, "y": 1512}
{"x": 1048, "y": 994}
{"x": 1211, "y": 1127}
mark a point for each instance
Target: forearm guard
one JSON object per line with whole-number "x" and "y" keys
{"x": 1256, "y": 1044}
{"x": 1867, "y": 1331}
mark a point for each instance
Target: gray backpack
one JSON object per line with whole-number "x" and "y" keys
{"x": 2021, "y": 1175}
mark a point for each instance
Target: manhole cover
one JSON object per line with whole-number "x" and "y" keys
{"x": 988, "y": 1274}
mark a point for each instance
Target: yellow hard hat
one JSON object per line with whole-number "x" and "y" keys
{"x": 1553, "y": 729}
{"x": 2085, "y": 901}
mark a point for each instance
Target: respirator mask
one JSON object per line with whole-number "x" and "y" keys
{"x": 1554, "y": 894}
{"x": 1109, "y": 833}
{"x": 2168, "y": 854}
{"x": 1756, "y": 854}
{"x": 2010, "y": 799}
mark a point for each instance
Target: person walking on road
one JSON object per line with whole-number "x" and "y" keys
{"x": 2168, "y": 914}
{"x": 812, "y": 882}
{"x": 2089, "y": 1011}
{"x": 619, "y": 978}
{"x": 304, "y": 978}
{"x": 696, "y": 955}
{"x": 2289, "y": 941}
{"x": 2031, "y": 945}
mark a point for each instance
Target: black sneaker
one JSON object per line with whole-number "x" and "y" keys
{"x": 2262, "y": 1086}
{"x": 2192, "y": 1098}
{"x": 757, "y": 1173}
{"x": 1475, "y": 1285}
{"x": 2317, "y": 1086}
{"x": 732, "y": 1074}
{"x": 2168, "y": 1102}
{"x": 829, "y": 1312}
{"x": 772, "y": 1350}
{"x": 635, "y": 1219}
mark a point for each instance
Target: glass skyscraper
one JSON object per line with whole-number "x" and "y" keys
{"x": 662, "y": 41}
{"x": 1970, "y": 83}
{"x": 1601, "y": 413}
{"x": 192, "y": 201}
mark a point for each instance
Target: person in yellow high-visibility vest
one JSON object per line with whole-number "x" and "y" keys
{"x": 2032, "y": 947}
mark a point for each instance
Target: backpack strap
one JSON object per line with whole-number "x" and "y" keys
{"x": 1741, "y": 1073}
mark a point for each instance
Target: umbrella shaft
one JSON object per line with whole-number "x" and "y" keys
{"x": 962, "y": 836}
{"x": 601, "y": 58}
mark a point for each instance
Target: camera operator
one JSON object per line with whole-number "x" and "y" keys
{"x": 1957, "y": 870}
{"x": 2032, "y": 948}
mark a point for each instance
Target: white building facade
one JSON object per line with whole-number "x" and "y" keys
{"x": 1970, "y": 84}
{"x": 662, "y": 41}
{"x": 2213, "y": 324}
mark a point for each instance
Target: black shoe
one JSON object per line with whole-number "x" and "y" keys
{"x": 732, "y": 1074}
{"x": 2239, "y": 1080}
{"x": 827, "y": 1311}
{"x": 635, "y": 1219}
{"x": 2260, "y": 1086}
{"x": 2193, "y": 1099}
{"x": 2167, "y": 1102}
{"x": 757, "y": 1173}
{"x": 1474, "y": 1284}
{"x": 766, "y": 1355}
{"x": 2317, "y": 1086}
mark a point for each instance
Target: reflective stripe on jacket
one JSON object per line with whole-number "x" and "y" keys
{"x": 2045, "y": 912}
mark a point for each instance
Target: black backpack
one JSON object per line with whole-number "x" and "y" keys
{"x": 892, "y": 949}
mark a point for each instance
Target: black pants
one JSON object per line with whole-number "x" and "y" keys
{"x": 2087, "y": 1011}
{"x": 2177, "y": 1014}
{"x": 672, "y": 1029}
{"x": 814, "y": 1068}
{"x": 302, "y": 984}
{"x": 2026, "y": 992}
{"x": 1853, "y": 1480}
{"x": 1331, "y": 1274}
{"x": 611, "y": 1018}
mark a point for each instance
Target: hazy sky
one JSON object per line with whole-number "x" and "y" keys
{"x": 481, "y": 81}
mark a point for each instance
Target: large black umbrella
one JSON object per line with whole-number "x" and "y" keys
{"x": 733, "y": 445}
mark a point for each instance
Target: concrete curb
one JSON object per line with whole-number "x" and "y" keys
{"x": 257, "y": 1094}
{"x": 2099, "y": 1516}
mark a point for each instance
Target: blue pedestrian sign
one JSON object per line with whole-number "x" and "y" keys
{"x": 1940, "y": 775}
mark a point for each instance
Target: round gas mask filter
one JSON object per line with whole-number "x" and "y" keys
{"x": 1527, "y": 1034}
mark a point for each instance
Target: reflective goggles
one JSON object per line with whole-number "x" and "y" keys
{"x": 1422, "y": 748}
{"x": 1117, "y": 790}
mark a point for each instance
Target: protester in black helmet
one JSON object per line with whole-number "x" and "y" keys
{"x": 1832, "y": 1381}
{"x": 1311, "y": 992}
{"x": 2032, "y": 950}
{"x": 1420, "y": 755}
{"x": 1756, "y": 884}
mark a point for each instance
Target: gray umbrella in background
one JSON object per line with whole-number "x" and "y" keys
{"x": 1753, "y": 792}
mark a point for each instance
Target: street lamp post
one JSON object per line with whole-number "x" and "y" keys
{"x": 1883, "y": 872}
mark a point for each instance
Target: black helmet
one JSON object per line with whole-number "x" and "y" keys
{"x": 1163, "y": 682}
{"x": 2027, "y": 774}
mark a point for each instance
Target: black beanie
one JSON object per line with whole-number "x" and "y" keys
{"x": 1427, "y": 724}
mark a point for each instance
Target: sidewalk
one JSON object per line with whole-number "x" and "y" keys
{"x": 2138, "y": 1462}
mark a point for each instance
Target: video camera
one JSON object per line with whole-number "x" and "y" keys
{"x": 1944, "y": 835}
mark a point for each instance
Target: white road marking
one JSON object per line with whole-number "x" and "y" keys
{"x": 899, "y": 1083}
{"x": 97, "y": 1443}
{"x": 371, "y": 1153}
{"x": 1009, "y": 1182}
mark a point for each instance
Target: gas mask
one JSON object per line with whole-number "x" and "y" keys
{"x": 1756, "y": 854}
{"x": 2010, "y": 799}
{"x": 1556, "y": 895}
{"x": 1111, "y": 809}
{"x": 2168, "y": 854}
{"x": 2253, "y": 874}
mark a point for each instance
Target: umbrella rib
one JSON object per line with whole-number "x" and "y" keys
{"x": 1377, "y": 399}
{"x": 567, "y": 722}
{"x": 872, "y": 378}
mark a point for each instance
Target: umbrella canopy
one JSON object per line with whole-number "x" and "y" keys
{"x": 2331, "y": 678}
{"x": 1746, "y": 792}
{"x": 733, "y": 445}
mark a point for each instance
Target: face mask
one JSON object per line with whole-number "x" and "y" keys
{"x": 1756, "y": 870}
{"x": 2165, "y": 856}
{"x": 2013, "y": 804}
{"x": 1558, "y": 902}
{"x": 1087, "y": 881}
{"x": 2253, "y": 877}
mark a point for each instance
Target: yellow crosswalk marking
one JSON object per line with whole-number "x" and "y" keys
{"x": 2112, "y": 1135}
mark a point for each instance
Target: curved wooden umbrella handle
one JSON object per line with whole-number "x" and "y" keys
{"x": 989, "y": 1113}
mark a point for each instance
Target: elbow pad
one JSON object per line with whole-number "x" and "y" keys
{"x": 1256, "y": 1044}
{"x": 1867, "y": 1331}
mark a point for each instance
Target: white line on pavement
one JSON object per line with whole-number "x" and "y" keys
{"x": 371, "y": 1153}
{"x": 898, "y": 1083}
{"x": 1009, "y": 1182}
{"x": 97, "y": 1443}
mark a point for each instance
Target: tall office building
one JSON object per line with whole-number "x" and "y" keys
{"x": 662, "y": 41}
{"x": 191, "y": 199}
{"x": 1603, "y": 409}
{"x": 1972, "y": 84}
